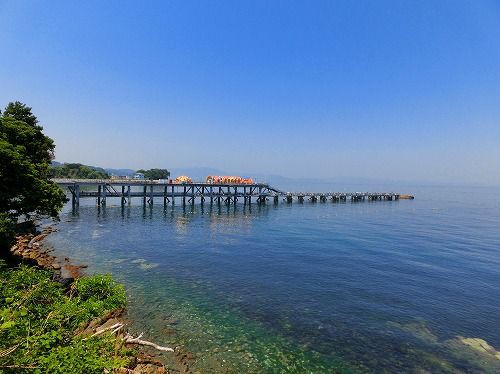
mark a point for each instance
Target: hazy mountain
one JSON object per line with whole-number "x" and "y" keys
{"x": 121, "y": 172}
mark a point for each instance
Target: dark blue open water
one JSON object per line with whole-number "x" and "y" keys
{"x": 322, "y": 287}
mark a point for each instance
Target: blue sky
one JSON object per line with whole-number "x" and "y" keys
{"x": 404, "y": 90}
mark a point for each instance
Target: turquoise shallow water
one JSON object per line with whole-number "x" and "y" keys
{"x": 307, "y": 287}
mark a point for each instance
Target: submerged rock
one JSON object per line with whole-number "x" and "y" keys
{"x": 417, "y": 328}
{"x": 478, "y": 353}
{"x": 147, "y": 266}
{"x": 480, "y": 345}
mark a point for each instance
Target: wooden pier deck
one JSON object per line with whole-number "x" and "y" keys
{"x": 189, "y": 193}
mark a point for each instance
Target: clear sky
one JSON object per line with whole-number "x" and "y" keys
{"x": 399, "y": 89}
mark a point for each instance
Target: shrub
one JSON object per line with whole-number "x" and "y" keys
{"x": 99, "y": 293}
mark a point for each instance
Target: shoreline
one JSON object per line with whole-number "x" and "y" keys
{"x": 29, "y": 249}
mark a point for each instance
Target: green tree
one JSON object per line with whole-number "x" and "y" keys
{"x": 77, "y": 171}
{"x": 155, "y": 173}
{"x": 21, "y": 112}
{"x": 25, "y": 156}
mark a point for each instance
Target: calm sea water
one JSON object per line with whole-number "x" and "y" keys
{"x": 322, "y": 287}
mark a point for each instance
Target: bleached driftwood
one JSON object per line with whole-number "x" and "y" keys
{"x": 129, "y": 339}
{"x": 115, "y": 328}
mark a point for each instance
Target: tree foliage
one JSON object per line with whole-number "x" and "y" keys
{"x": 21, "y": 112}
{"x": 155, "y": 173}
{"x": 25, "y": 156}
{"x": 77, "y": 171}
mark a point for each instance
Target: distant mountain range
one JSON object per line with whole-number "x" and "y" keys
{"x": 122, "y": 172}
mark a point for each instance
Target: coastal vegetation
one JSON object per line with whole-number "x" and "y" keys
{"x": 39, "y": 317}
{"x": 155, "y": 173}
{"x": 80, "y": 171}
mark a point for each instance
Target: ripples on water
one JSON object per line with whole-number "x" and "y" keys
{"x": 307, "y": 287}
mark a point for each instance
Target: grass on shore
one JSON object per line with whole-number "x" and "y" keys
{"x": 38, "y": 319}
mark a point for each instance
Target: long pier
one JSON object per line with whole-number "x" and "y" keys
{"x": 188, "y": 193}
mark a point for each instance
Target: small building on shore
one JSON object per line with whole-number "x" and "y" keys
{"x": 139, "y": 176}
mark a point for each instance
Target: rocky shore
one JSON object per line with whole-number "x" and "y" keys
{"x": 29, "y": 247}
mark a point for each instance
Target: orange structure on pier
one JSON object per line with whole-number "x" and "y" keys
{"x": 183, "y": 179}
{"x": 228, "y": 180}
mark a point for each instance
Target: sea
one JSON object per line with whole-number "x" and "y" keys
{"x": 407, "y": 286}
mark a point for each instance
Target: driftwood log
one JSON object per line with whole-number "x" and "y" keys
{"x": 129, "y": 339}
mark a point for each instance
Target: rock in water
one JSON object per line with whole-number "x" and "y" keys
{"x": 480, "y": 345}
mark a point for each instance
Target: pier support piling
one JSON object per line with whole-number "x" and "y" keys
{"x": 123, "y": 196}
